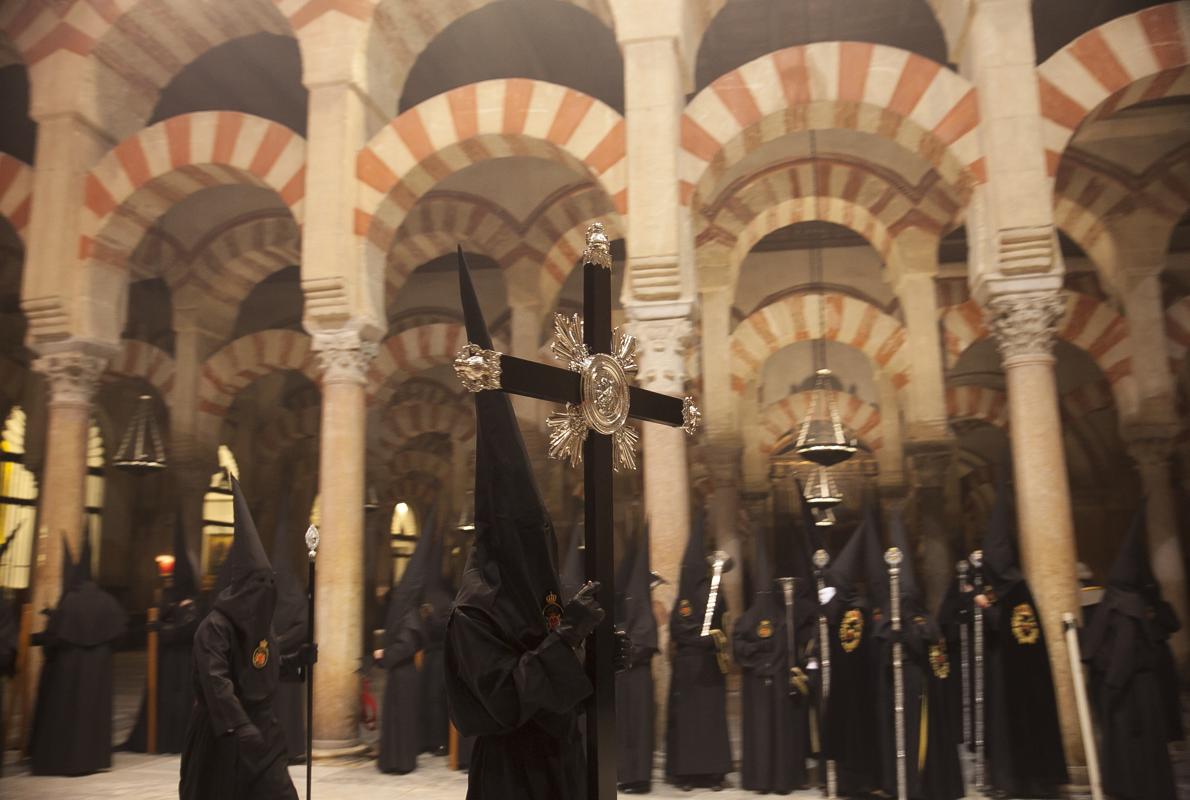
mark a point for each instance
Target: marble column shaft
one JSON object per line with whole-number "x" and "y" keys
{"x": 340, "y": 567}
{"x": 72, "y": 377}
{"x": 1024, "y": 329}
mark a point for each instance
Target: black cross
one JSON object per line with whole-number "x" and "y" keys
{"x": 560, "y": 385}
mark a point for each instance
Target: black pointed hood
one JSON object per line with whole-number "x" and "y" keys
{"x": 1132, "y": 571}
{"x": 694, "y": 577}
{"x": 639, "y": 621}
{"x": 68, "y": 571}
{"x": 290, "y": 617}
{"x": 185, "y": 578}
{"x": 513, "y": 565}
{"x": 573, "y": 574}
{"x": 410, "y": 589}
{"x": 862, "y": 561}
{"x": 762, "y": 576}
{"x": 86, "y": 615}
{"x": 1001, "y": 567}
{"x": 250, "y": 596}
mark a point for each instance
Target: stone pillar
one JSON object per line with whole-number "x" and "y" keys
{"x": 891, "y": 457}
{"x": 1024, "y": 328}
{"x": 343, "y": 357}
{"x": 930, "y": 464}
{"x": 926, "y": 409}
{"x": 72, "y": 376}
{"x": 192, "y": 461}
{"x": 1152, "y": 455}
{"x": 723, "y": 518}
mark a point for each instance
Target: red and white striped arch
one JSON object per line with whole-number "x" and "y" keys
{"x": 414, "y": 350}
{"x": 16, "y": 193}
{"x": 1129, "y": 60}
{"x": 478, "y": 122}
{"x": 132, "y": 49}
{"x": 795, "y": 318}
{"x": 880, "y": 90}
{"x": 970, "y": 402}
{"x": 134, "y": 184}
{"x": 1088, "y": 324}
{"x": 860, "y": 418}
{"x": 420, "y": 461}
{"x": 404, "y": 421}
{"x": 227, "y": 265}
{"x": 142, "y": 360}
{"x": 875, "y": 204}
{"x": 238, "y": 364}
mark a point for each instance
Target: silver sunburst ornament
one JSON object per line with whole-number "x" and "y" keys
{"x": 605, "y": 400}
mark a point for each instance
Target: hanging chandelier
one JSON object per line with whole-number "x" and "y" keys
{"x": 821, "y": 438}
{"x": 825, "y": 518}
{"x": 822, "y": 491}
{"x": 141, "y": 450}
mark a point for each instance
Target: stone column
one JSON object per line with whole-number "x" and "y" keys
{"x": 343, "y": 357}
{"x": 723, "y": 518}
{"x": 891, "y": 457}
{"x": 1024, "y": 328}
{"x": 926, "y": 409}
{"x": 930, "y": 464}
{"x": 72, "y": 376}
{"x": 1152, "y": 455}
{"x": 192, "y": 461}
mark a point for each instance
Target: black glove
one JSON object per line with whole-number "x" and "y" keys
{"x": 581, "y": 615}
{"x": 623, "y": 652}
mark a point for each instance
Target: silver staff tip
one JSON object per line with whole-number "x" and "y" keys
{"x": 892, "y": 556}
{"x": 312, "y": 540}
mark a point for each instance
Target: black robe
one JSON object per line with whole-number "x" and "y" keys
{"x": 521, "y": 705}
{"x": 400, "y": 741}
{"x": 72, "y": 724}
{"x": 1023, "y": 739}
{"x": 289, "y": 701}
{"x": 775, "y": 723}
{"x": 635, "y": 712}
{"x": 175, "y": 682}
{"x": 932, "y": 767}
{"x": 851, "y": 723}
{"x": 1123, "y": 648}
{"x": 698, "y": 750}
{"x": 230, "y": 692}
{"x": 8, "y": 658}
{"x": 434, "y": 723}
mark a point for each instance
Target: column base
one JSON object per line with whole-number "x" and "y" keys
{"x": 1079, "y": 787}
{"x": 338, "y": 749}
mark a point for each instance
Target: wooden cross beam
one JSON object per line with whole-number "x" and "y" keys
{"x": 591, "y": 428}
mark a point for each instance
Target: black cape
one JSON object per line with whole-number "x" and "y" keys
{"x": 510, "y": 680}
{"x": 291, "y": 625}
{"x": 178, "y": 619}
{"x": 404, "y": 637}
{"x": 698, "y": 751}
{"x": 1023, "y": 738}
{"x": 1123, "y": 646}
{"x": 237, "y": 667}
{"x": 852, "y": 719}
{"x": 433, "y": 718}
{"x": 775, "y": 723}
{"x": 8, "y": 649}
{"x": 635, "y": 702}
{"x": 72, "y": 724}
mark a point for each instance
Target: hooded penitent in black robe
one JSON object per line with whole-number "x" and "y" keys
{"x": 512, "y": 680}
{"x": 954, "y": 617}
{"x": 932, "y": 767}
{"x": 291, "y": 626}
{"x": 775, "y": 722}
{"x": 8, "y": 650}
{"x": 851, "y": 723}
{"x": 235, "y": 749}
{"x": 72, "y": 726}
{"x": 178, "y": 620}
{"x": 433, "y": 721}
{"x": 1122, "y": 645}
{"x": 635, "y": 709}
{"x": 698, "y": 752}
{"x": 404, "y": 636}
{"x": 1023, "y": 740}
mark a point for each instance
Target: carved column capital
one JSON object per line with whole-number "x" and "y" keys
{"x": 662, "y": 355}
{"x": 72, "y": 376}
{"x": 1025, "y": 324}
{"x": 343, "y": 356}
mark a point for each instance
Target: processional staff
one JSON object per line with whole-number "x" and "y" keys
{"x": 893, "y": 557}
{"x": 977, "y": 633}
{"x": 312, "y": 540}
{"x": 963, "y": 569}
{"x": 821, "y": 560}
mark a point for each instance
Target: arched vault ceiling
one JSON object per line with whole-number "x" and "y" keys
{"x": 518, "y": 184}
{"x": 1136, "y": 138}
{"x": 192, "y": 219}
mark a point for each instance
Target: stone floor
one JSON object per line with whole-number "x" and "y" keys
{"x": 156, "y": 777}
